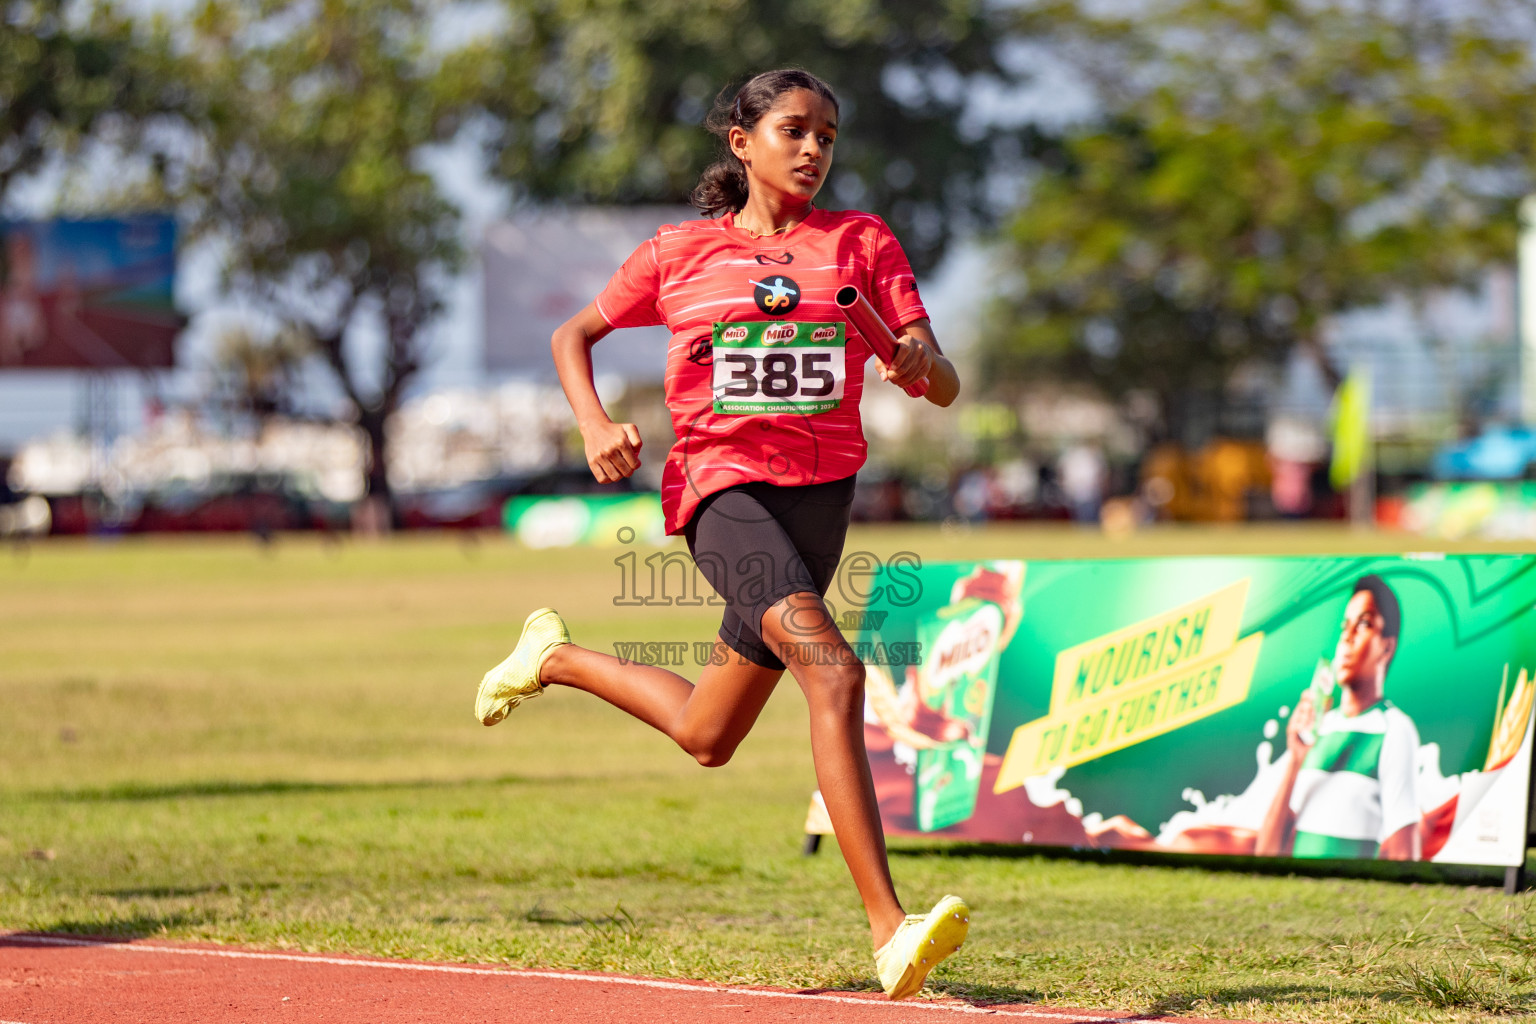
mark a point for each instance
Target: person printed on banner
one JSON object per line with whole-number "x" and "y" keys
{"x": 1349, "y": 787}
{"x": 23, "y": 324}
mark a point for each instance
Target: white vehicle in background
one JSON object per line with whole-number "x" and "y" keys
{"x": 27, "y": 518}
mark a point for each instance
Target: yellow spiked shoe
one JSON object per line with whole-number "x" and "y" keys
{"x": 919, "y": 944}
{"x": 517, "y": 679}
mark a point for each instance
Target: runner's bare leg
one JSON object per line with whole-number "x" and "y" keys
{"x": 708, "y": 719}
{"x": 801, "y": 630}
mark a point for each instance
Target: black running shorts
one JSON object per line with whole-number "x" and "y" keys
{"x": 758, "y": 543}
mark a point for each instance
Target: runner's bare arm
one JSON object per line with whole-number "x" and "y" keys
{"x": 613, "y": 449}
{"x": 918, "y": 356}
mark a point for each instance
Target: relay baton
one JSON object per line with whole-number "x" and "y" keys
{"x": 878, "y": 336}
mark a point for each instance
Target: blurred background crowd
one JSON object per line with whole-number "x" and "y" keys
{"x": 293, "y": 264}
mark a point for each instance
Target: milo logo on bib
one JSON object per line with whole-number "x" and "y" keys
{"x": 766, "y": 367}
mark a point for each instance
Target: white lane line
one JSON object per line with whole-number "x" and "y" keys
{"x": 605, "y": 979}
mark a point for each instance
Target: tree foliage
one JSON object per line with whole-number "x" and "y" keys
{"x": 61, "y": 76}
{"x": 257, "y": 372}
{"x": 1260, "y": 166}
{"x": 602, "y": 100}
{"x": 310, "y": 121}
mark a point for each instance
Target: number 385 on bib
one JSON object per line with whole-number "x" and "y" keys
{"x": 778, "y": 367}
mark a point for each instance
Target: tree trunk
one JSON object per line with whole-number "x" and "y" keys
{"x": 374, "y": 515}
{"x": 1313, "y": 345}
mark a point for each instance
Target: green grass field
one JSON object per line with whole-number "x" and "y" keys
{"x": 208, "y": 740}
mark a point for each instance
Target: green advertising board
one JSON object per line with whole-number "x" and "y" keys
{"x": 1495, "y": 510}
{"x": 597, "y": 520}
{"x": 1306, "y": 707}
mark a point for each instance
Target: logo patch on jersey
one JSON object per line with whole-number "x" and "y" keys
{"x": 776, "y": 295}
{"x": 702, "y": 352}
{"x": 782, "y": 261}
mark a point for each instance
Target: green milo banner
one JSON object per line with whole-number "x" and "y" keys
{"x": 1496, "y": 510}
{"x": 594, "y": 520}
{"x": 1366, "y": 707}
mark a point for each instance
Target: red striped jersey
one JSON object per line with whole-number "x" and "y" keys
{"x": 703, "y": 273}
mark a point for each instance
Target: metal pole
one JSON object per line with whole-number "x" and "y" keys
{"x": 1362, "y": 495}
{"x": 1525, "y": 304}
{"x": 1362, "y": 490}
{"x": 1515, "y": 877}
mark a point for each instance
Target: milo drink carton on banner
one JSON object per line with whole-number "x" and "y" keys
{"x": 955, "y": 688}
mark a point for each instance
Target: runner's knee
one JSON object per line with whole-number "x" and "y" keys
{"x": 707, "y": 746}
{"x": 714, "y": 757}
{"x": 837, "y": 687}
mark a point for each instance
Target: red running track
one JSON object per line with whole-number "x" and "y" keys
{"x": 53, "y": 979}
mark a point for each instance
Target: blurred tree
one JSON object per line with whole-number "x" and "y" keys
{"x": 64, "y": 70}
{"x": 258, "y": 371}
{"x": 1260, "y": 166}
{"x": 310, "y": 121}
{"x": 602, "y": 100}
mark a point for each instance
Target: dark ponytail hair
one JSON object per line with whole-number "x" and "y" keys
{"x": 722, "y": 188}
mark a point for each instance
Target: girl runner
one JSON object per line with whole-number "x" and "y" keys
{"x": 763, "y": 384}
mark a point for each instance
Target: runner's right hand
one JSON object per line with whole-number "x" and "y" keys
{"x": 613, "y": 450}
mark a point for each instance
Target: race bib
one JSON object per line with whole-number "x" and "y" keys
{"x": 778, "y": 367}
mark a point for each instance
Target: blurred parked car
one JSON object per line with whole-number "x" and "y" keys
{"x": 268, "y": 502}
{"x": 477, "y": 505}
{"x": 262, "y": 503}
{"x": 1499, "y": 453}
{"x": 22, "y": 515}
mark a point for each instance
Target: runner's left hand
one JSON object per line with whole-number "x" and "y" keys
{"x": 911, "y": 364}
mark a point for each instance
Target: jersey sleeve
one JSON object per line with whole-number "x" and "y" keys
{"x": 629, "y": 298}
{"x": 892, "y": 286}
{"x": 1399, "y": 775}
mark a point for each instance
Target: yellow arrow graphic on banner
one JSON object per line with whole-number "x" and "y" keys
{"x": 1130, "y": 714}
{"x": 1090, "y": 670}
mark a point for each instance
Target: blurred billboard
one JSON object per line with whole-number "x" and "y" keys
{"x": 542, "y": 268}
{"x": 93, "y": 294}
